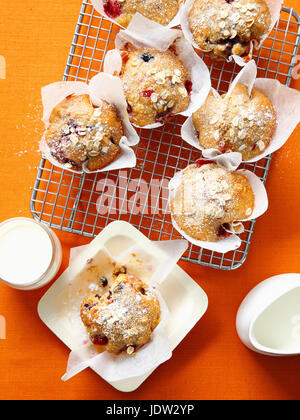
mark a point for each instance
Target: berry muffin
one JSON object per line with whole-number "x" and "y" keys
{"x": 156, "y": 85}
{"x": 80, "y": 133}
{"x": 236, "y": 122}
{"x": 228, "y": 27}
{"x": 209, "y": 199}
{"x": 160, "y": 11}
{"x": 123, "y": 319}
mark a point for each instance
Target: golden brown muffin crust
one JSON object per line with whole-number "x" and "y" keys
{"x": 227, "y": 27}
{"x": 160, "y": 11}
{"x": 79, "y": 132}
{"x": 236, "y": 122}
{"x": 156, "y": 85}
{"x": 124, "y": 318}
{"x": 208, "y": 198}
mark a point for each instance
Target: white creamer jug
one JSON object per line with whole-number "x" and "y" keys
{"x": 268, "y": 320}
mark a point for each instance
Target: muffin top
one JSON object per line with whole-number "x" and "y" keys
{"x": 227, "y": 27}
{"x": 160, "y": 11}
{"x": 236, "y": 122}
{"x": 156, "y": 85}
{"x": 124, "y": 318}
{"x": 80, "y": 133}
{"x": 208, "y": 199}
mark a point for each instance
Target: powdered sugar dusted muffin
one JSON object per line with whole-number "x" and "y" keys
{"x": 124, "y": 318}
{"x": 80, "y": 133}
{"x": 156, "y": 85}
{"x": 236, "y": 122}
{"x": 209, "y": 199}
{"x": 227, "y": 27}
{"x": 160, "y": 11}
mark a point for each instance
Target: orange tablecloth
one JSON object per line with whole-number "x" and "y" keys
{"x": 211, "y": 362}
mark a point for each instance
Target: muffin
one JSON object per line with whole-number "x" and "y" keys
{"x": 208, "y": 199}
{"x": 160, "y": 11}
{"x": 236, "y": 122}
{"x": 123, "y": 319}
{"x": 79, "y": 133}
{"x": 156, "y": 85}
{"x": 228, "y": 27}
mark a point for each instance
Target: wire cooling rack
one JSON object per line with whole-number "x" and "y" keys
{"x": 85, "y": 204}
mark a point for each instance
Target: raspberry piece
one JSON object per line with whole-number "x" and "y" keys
{"x": 164, "y": 116}
{"x": 223, "y": 147}
{"x": 201, "y": 162}
{"x": 221, "y": 232}
{"x": 189, "y": 86}
{"x": 147, "y": 93}
{"x": 99, "y": 340}
{"x": 112, "y": 8}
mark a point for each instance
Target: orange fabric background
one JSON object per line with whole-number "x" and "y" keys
{"x": 211, "y": 362}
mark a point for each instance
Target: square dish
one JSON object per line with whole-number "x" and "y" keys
{"x": 186, "y": 301}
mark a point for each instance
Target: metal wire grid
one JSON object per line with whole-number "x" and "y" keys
{"x": 85, "y": 204}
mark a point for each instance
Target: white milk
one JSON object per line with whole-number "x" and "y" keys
{"x": 278, "y": 327}
{"x": 27, "y": 253}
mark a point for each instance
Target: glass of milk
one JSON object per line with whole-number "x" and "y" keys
{"x": 30, "y": 253}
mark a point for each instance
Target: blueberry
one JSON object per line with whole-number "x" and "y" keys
{"x": 147, "y": 57}
{"x": 119, "y": 288}
{"x": 103, "y": 281}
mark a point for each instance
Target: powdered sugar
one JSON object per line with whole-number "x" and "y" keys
{"x": 286, "y": 102}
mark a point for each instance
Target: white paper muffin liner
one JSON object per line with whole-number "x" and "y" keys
{"x": 228, "y": 161}
{"x": 274, "y": 7}
{"x": 98, "y": 5}
{"x": 286, "y": 102}
{"x": 101, "y": 87}
{"x": 144, "y": 33}
{"x": 158, "y": 350}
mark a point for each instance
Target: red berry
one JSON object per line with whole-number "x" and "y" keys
{"x": 99, "y": 340}
{"x": 223, "y": 147}
{"x": 221, "y": 232}
{"x": 189, "y": 86}
{"x": 146, "y": 93}
{"x": 164, "y": 116}
{"x": 112, "y": 8}
{"x": 201, "y": 162}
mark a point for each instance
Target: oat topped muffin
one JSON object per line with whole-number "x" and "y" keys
{"x": 80, "y": 133}
{"x": 123, "y": 319}
{"x": 227, "y": 27}
{"x": 209, "y": 199}
{"x": 156, "y": 85}
{"x": 236, "y": 122}
{"x": 160, "y": 11}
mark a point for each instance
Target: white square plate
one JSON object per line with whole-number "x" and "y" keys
{"x": 186, "y": 301}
